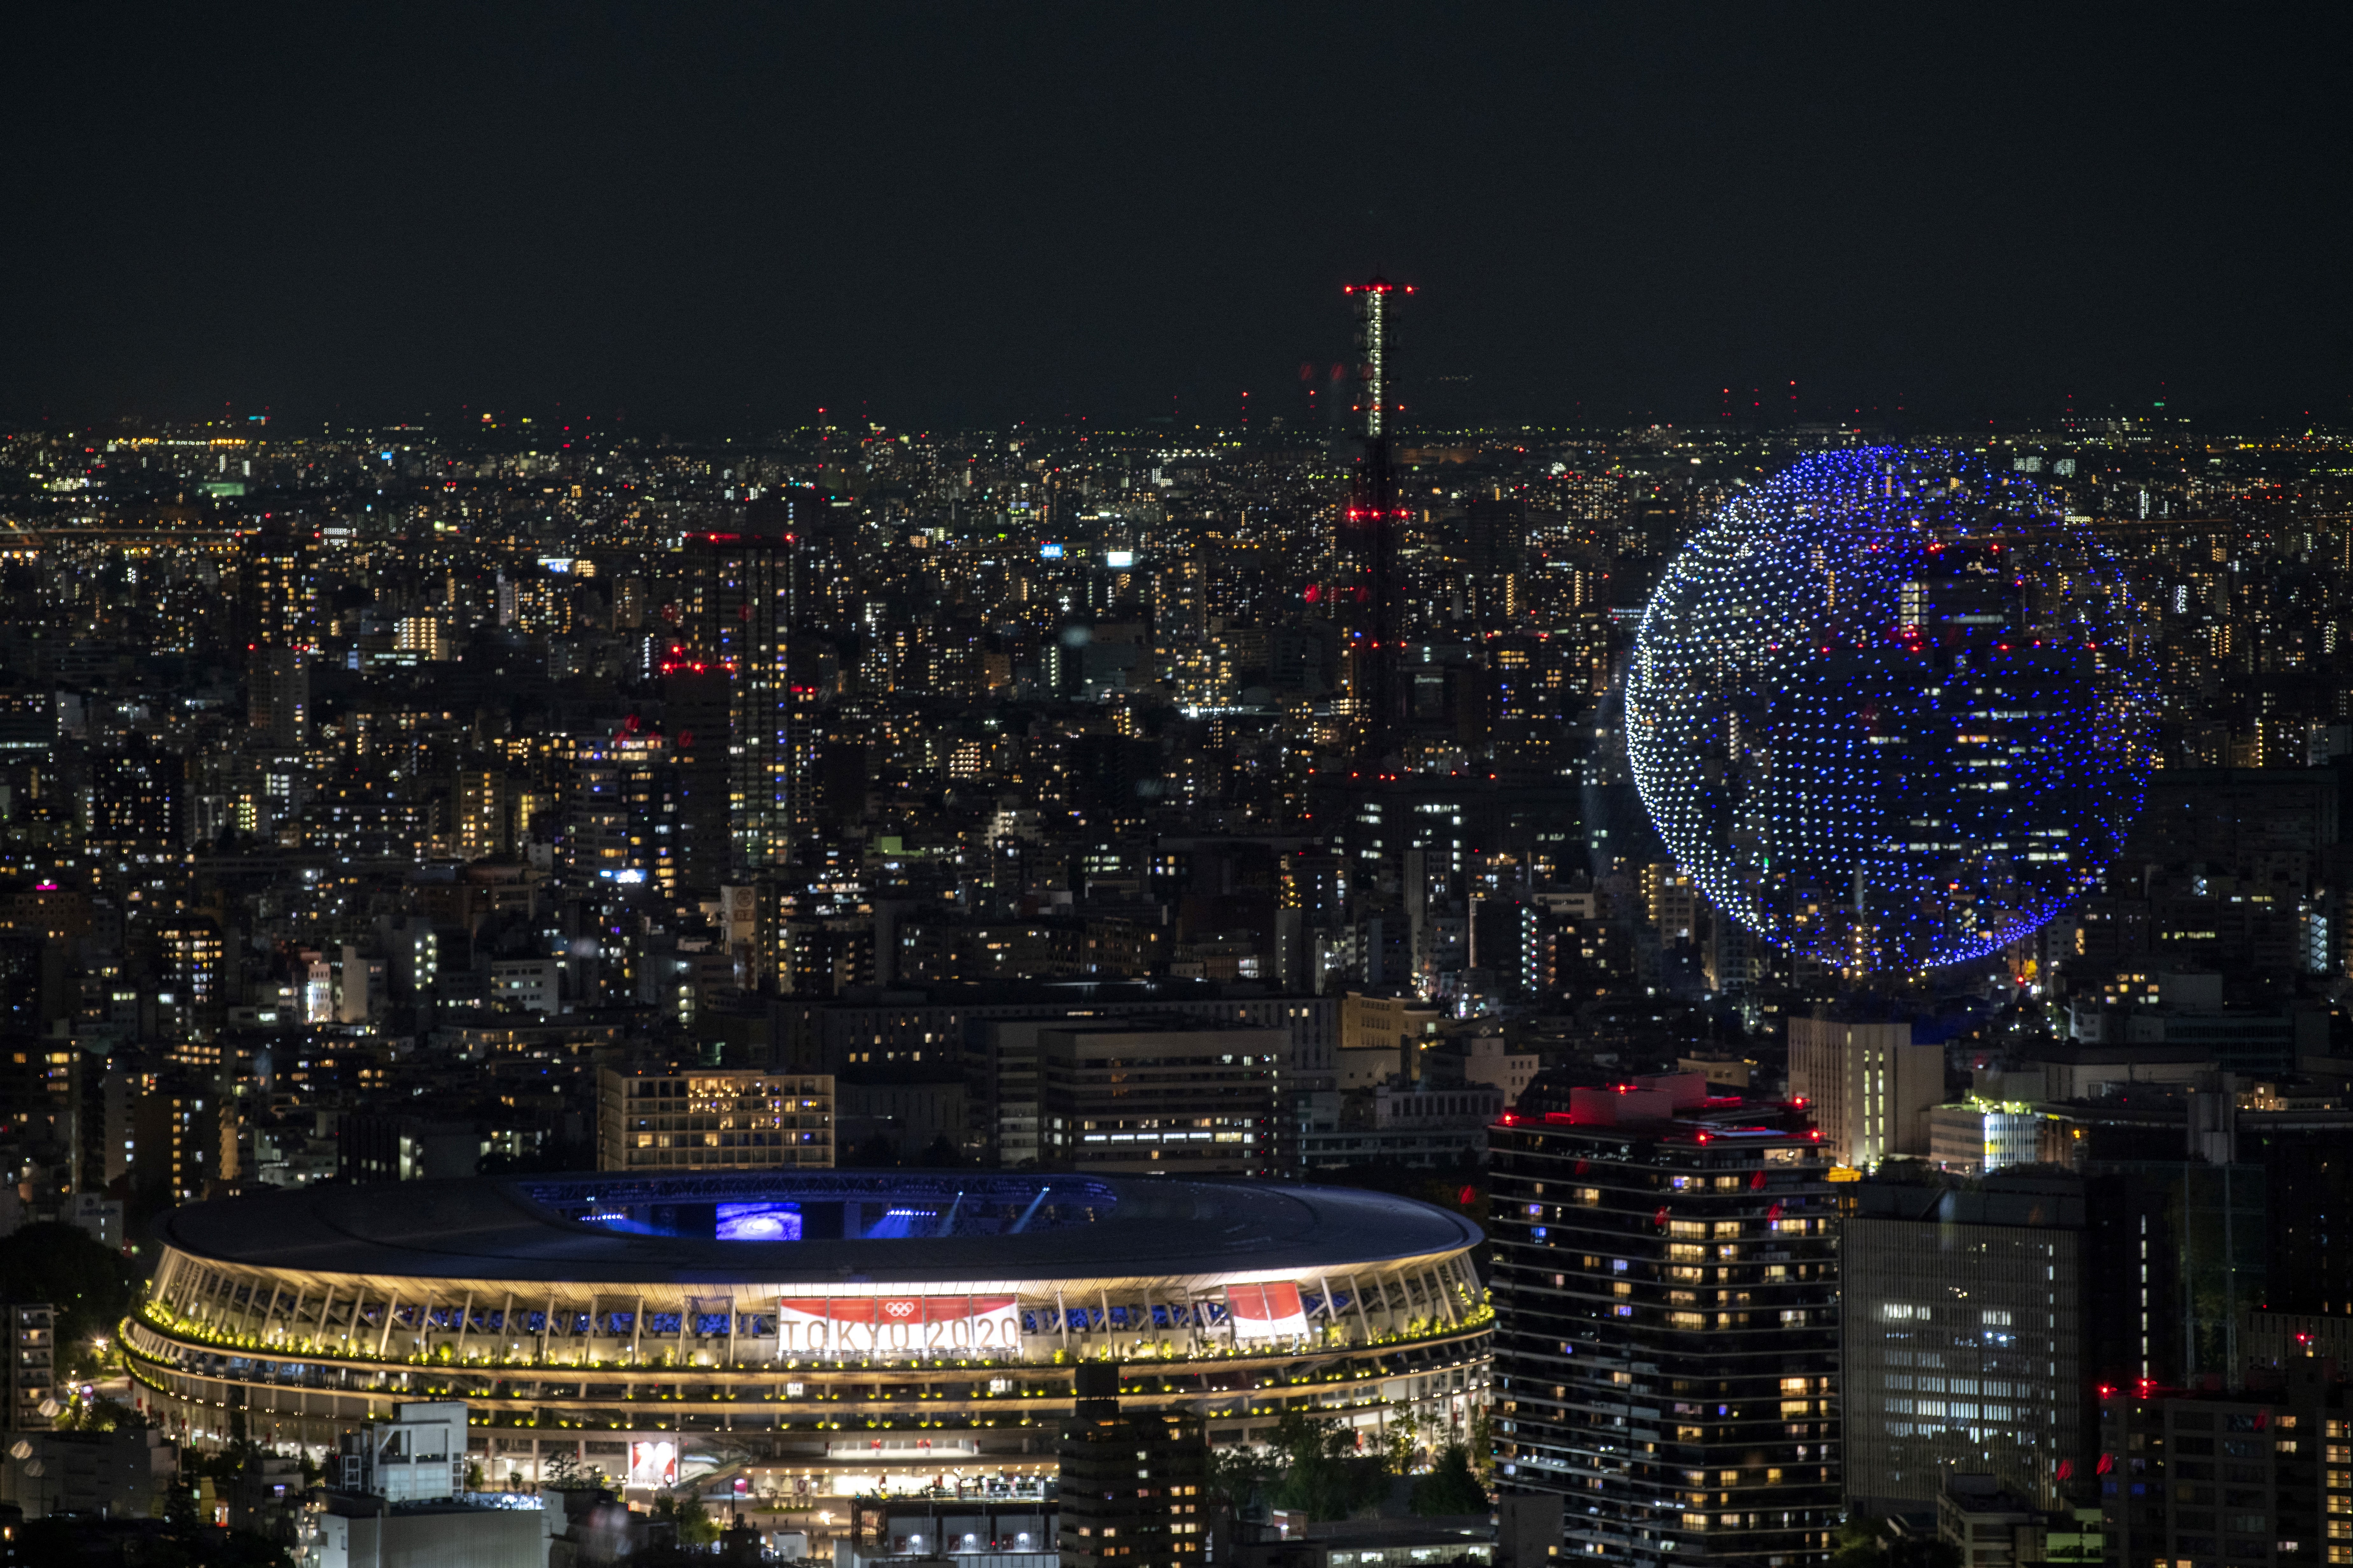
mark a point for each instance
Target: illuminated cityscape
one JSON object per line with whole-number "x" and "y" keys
{"x": 1174, "y": 788}
{"x": 412, "y": 806}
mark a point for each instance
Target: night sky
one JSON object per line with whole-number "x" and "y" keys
{"x": 694, "y": 217}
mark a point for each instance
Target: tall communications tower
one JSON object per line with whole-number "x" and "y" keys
{"x": 1372, "y": 527}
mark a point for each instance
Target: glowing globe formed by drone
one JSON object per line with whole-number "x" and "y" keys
{"x": 1886, "y": 708}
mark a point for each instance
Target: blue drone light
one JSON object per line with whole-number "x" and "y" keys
{"x": 1888, "y": 709}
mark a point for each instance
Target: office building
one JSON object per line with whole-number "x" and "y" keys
{"x": 1962, "y": 1315}
{"x": 1373, "y": 528}
{"x": 1135, "y": 1484}
{"x": 2181, "y": 1252}
{"x": 1013, "y": 1527}
{"x": 1992, "y": 1528}
{"x": 712, "y": 1119}
{"x": 121, "y": 1474}
{"x": 1865, "y": 1085}
{"x": 1973, "y": 1136}
{"x": 2236, "y": 1476}
{"x": 1173, "y": 1101}
{"x": 696, "y": 697}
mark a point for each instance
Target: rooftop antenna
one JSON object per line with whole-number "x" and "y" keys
{"x": 1374, "y": 522}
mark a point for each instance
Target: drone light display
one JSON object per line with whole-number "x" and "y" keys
{"x": 1885, "y": 709}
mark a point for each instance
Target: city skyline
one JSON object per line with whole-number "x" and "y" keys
{"x": 1059, "y": 787}
{"x": 404, "y": 819}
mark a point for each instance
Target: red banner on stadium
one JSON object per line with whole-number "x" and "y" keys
{"x": 1266, "y": 1312}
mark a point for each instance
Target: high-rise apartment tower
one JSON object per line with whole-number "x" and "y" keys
{"x": 1667, "y": 1322}
{"x": 743, "y": 617}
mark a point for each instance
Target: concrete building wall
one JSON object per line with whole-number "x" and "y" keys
{"x": 1868, "y": 1087}
{"x": 457, "y": 1536}
{"x": 1963, "y": 1353}
{"x": 713, "y": 1119}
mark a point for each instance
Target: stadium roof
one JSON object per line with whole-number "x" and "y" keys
{"x": 528, "y": 1229}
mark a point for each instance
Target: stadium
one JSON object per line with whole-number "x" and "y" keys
{"x": 832, "y": 1333}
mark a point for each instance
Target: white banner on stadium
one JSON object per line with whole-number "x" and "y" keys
{"x": 879, "y": 1325}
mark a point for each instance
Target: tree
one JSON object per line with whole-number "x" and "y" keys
{"x": 1322, "y": 1474}
{"x": 1483, "y": 1446}
{"x": 1865, "y": 1542}
{"x": 693, "y": 1521}
{"x": 565, "y": 1473}
{"x": 1451, "y": 1486}
{"x": 1400, "y": 1441}
{"x": 181, "y": 1520}
{"x": 224, "y": 1466}
{"x": 51, "y": 1540}
{"x": 104, "y": 1414}
{"x": 89, "y": 1284}
{"x": 1238, "y": 1479}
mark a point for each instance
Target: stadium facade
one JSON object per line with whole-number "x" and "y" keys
{"x": 853, "y": 1332}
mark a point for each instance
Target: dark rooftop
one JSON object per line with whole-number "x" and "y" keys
{"x": 892, "y": 1228}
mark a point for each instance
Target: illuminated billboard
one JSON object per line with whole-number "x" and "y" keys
{"x": 758, "y": 1222}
